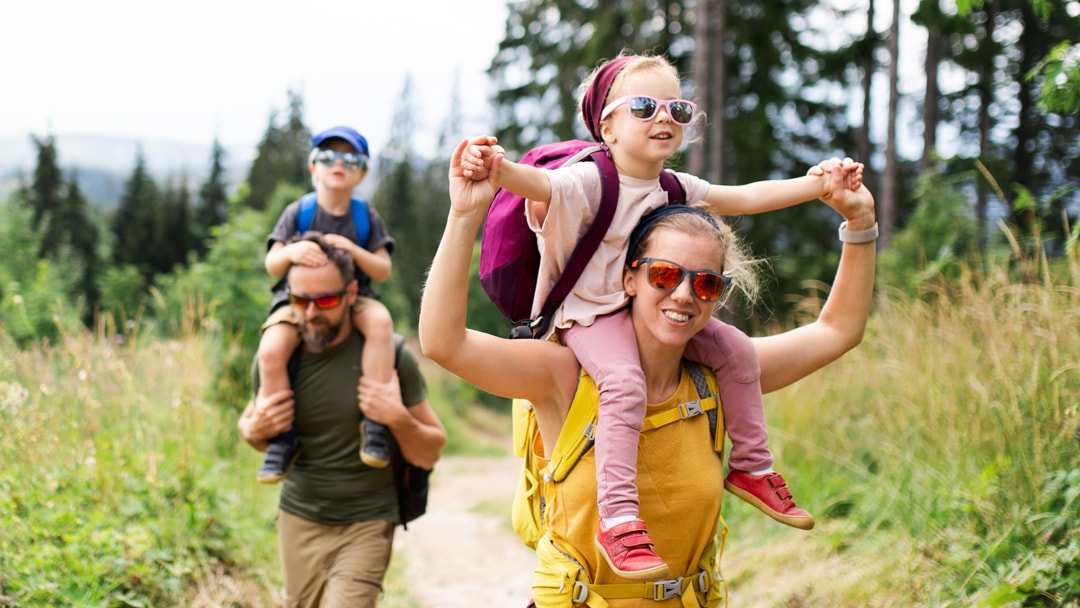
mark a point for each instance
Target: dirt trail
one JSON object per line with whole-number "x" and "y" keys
{"x": 458, "y": 558}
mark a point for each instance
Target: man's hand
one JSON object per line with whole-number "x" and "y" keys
{"x": 381, "y": 401}
{"x": 265, "y": 417}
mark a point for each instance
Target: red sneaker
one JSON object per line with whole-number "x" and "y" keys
{"x": 628, "y": 550}
{"x": 770, "y": 494}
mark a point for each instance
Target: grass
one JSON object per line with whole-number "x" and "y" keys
{"x": 123, "y": 485}
{"x": 941, "y": 459}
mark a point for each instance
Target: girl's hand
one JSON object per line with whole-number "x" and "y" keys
{"x": 468, "y": 193}
{"x": 850, "y": 171}
{"x": 856, "y": 205}
{"x": 477, "y": 156}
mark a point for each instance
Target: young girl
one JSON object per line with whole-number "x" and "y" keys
{"x": 338, "y": 163}
{"x": 631, "y": 104}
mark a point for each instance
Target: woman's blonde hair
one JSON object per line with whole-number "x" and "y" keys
{"x": 735, "y": 258}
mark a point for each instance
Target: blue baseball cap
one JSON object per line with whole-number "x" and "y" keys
{"x": 347, "y": 134}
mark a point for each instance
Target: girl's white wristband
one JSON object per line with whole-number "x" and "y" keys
{"x": 866, "y": 235}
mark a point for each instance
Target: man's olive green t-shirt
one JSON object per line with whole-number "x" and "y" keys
{"x": 329, "y": 484}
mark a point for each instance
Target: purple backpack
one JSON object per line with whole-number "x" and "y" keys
{"x": 509, "y": 257}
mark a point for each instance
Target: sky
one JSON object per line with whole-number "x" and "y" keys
{"x": 198, "y": 70}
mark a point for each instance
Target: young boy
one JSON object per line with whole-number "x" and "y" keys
{"x": 338, "y": 163}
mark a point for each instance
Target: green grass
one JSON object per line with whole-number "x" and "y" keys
{"x": 123, "y": 485}
{"x": 941, "y": 459}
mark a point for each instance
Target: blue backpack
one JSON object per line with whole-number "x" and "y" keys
{"x": 359, "y": 214}
{"x": 509, "y": 256}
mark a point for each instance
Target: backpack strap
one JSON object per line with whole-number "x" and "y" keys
{"x": 697, "y": 374}
{"x": 676, "y": 194}
{"x": 358, "y": 207}
{"x": 571, "y": 446}
{"x": 362, "y": 221}
{"x": 306, "y": 214}
{"x": 586, "y": 245}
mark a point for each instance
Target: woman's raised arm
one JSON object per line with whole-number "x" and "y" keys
{"x": 792, "y": 355}
{"x": 530, "y": 369}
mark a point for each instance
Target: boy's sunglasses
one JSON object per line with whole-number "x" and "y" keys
{"x": 666, "y": 276}
{"x": 351, "y": 160}
{"x": 323, "y": 301}
{"x": 643, "y": 107}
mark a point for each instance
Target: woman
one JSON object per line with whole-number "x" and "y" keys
{"x": 682, "y": 483}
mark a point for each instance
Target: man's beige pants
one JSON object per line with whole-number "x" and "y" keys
{"x": 333, "y": 566}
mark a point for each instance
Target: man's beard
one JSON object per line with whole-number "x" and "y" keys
{"x": 318, "y": 337}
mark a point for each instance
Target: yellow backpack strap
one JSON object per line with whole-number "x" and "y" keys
{"x": 685, "y": 587}
{"x": 581, "y": 422}
{"x": 708, "y": 403}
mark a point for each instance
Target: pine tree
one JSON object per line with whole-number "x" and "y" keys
{"x": 213, "y": 204}
{"x": 281, "y": 157}
{"x": 136, "y": 222}
{"x": 176, "y": 227}
{"x": 81, "y": 235}
{"x": 404, "y": 200}
{"x": 45, "y": 195}
{"x": 61, "y": 213}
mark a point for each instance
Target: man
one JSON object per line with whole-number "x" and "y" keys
{"x": 337, "y": 515}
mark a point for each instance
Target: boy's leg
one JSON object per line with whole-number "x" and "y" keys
{"x": 280, "y": 337}
{"x": 372, "y": 319}
{"x": 731, "y": 355}
{"x": 607, "y": 350}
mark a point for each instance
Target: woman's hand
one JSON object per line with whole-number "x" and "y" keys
{"x": 848, "y": 196}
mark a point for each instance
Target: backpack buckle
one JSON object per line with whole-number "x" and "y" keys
{"x": 581, "y": 593}
{"x": 521, "y": 331}
{"x": 690, "y": 409}
{"x": 664, "y": 590}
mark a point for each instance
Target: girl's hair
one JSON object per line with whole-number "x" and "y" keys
{"x": 694, "y": 220}
{"x": 636, "y": 64}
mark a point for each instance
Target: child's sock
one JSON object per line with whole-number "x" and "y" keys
{"x": 609, "y": 522}
{"x": 762, "y": 472}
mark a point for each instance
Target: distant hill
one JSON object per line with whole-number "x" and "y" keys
{"x": 103, "y": 164}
